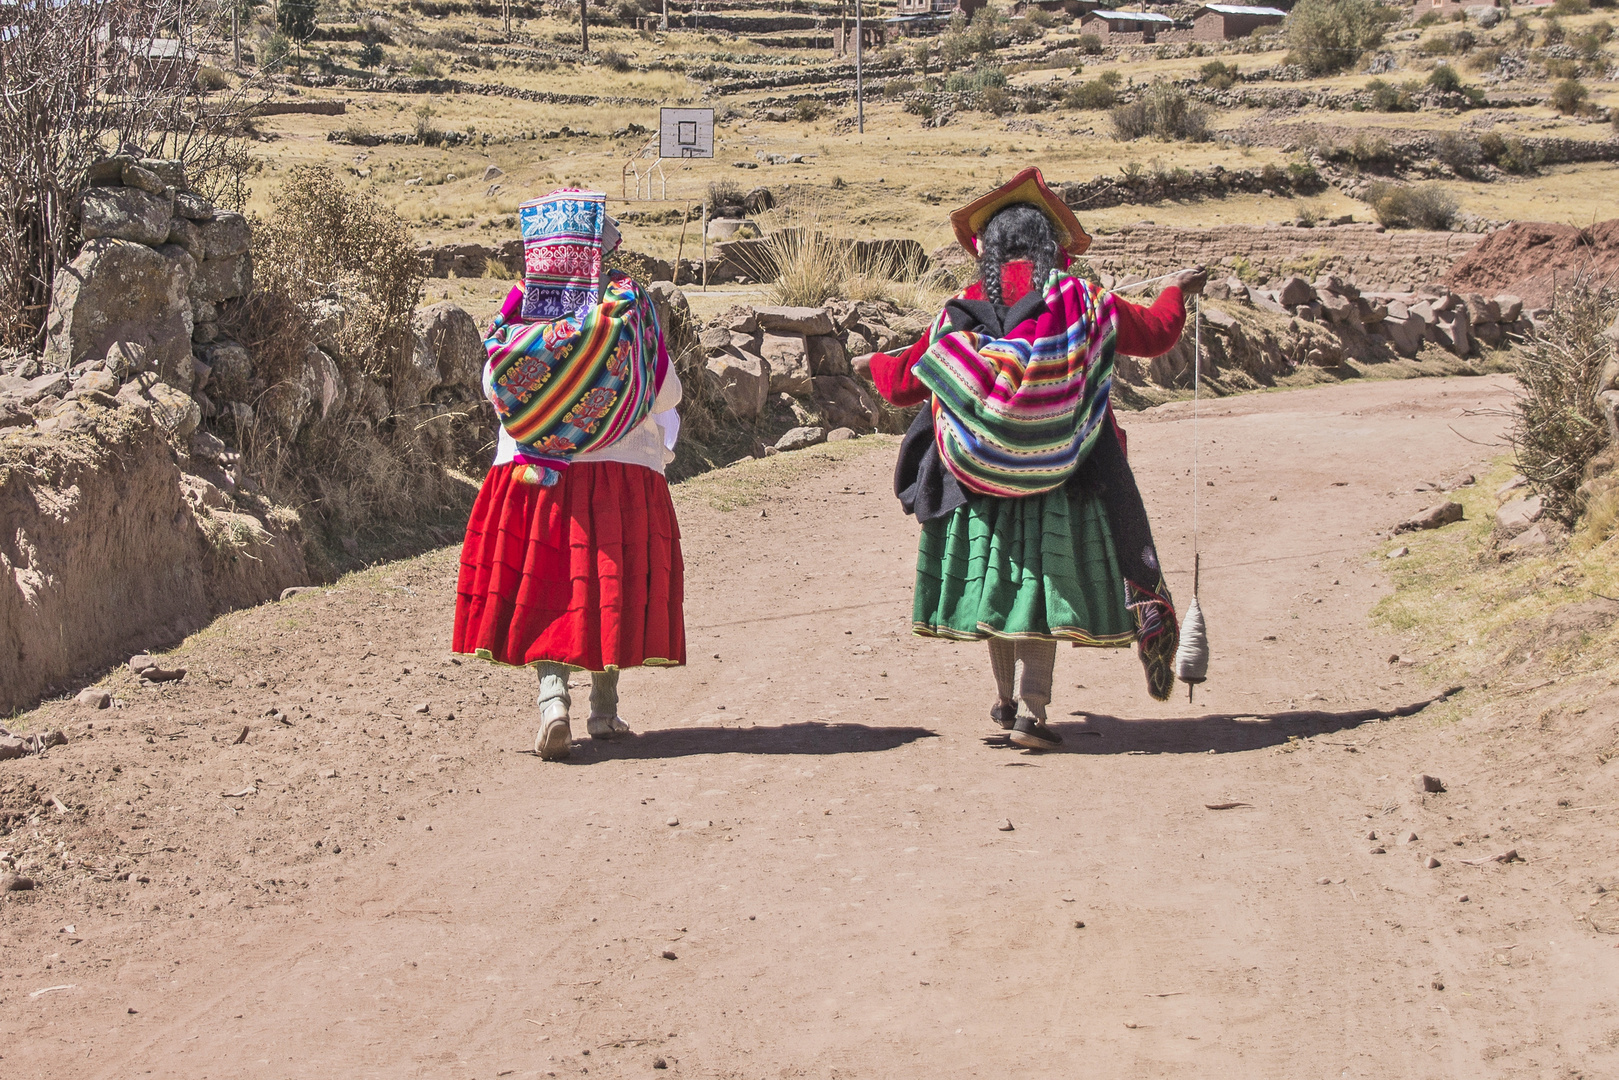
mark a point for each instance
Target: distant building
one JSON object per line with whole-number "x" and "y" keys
{"x": 1126, "y": 27}
{"x": 916, "y": 18}
{"x": 1072, "y": 8}
{"x": 1227, "y": 22}
{"x": 946, "y": 8}
{"x": 1448, "y": 8}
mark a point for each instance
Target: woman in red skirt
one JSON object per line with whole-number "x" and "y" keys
{"x": 572, "y": 555}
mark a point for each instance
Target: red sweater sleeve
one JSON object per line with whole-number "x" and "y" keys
{"x": 1153, "y": 331}
{"x": 893, "y": 378}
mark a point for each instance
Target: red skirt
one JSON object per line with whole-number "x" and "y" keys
{"x": 586, "y": 573}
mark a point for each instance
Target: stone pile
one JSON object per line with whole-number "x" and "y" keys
{"x": 799, "y": 358}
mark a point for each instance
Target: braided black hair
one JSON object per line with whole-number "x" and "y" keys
{"x": 1018, "y": 231}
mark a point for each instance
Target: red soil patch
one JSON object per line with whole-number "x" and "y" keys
{"x": 1532, "y": 258}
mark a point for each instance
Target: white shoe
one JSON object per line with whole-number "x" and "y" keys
{"x": 606, "y": 727}
{"x": 554, "y": 740}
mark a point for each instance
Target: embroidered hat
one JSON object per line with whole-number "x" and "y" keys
{"x": 562, "y": 252}
{"x": 1029, "y": 187}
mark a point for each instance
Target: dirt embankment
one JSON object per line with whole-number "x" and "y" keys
{"x": 1532, "y": 259}
{"x": 109, "y": 549}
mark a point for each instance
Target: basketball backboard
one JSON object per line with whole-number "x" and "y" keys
{"x": 686, "y": 133}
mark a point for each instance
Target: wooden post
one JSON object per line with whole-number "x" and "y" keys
{"x": 859, "y": 69}
{"x": 705, "y": 244}
{"x": 584, "y": 26}
{"x": 680, "y": 251}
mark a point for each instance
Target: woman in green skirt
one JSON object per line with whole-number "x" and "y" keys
{"x": 1033, "y": 530}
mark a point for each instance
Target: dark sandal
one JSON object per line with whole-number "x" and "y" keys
{"x": 1033, "y": 734}
{"x": 1004, "y": 716}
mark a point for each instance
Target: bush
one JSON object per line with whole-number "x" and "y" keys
{"x": 1439, "y": 45}
{"x": 1327, "y": 36}
{"x": 1508, "y": 153}
{"x": 277, "y": 51}
{"x": 997, "y": 101}
{"x": 1400, "y": 207}
{"x": 1486, "y": 59}
{"x": 427, "y": 132}
{"x": 1444, "y": 79}
{"x": 1460, "y": 152}
{"x": 808, "y": 110}
{"x": 370, "y": 55}
{"x": 1386, "y": 97}
{"x": 1558, "y": 67}
{"x": 1111, "y": 77}
{"x": 1559, "y": 427}
{"x": 1572, "y": 7}
{"x": 1163, "y": 112}
{"x": 322, "y": 241}
{"x": 1090, "y": 45}
{"x": 1370, "y": 150}
{"x": 1552, "y": 32}
{"x": 613, "y": 60}
{"x": 1095, "y": 94}
{"x": 894, "y": 88}
{"x": 967, "y": 82}
{"x": 1218, "y": 75}
{"x": 1569, "y": 95}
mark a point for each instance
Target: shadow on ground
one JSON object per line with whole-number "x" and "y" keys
{"x": 806, "y": 738}
{"x": 1218, "y": 732}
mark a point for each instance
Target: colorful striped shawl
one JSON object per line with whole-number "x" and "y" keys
{"x": 1015, "y": 416}
{"x": 563, "y": 386}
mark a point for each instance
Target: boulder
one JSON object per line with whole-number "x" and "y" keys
{"x": 1265, "y": 300}
{"x": 1422, "y": 311}
{"x": 795, "y": 320}
{"x": 125, "y": 213}
{"x": 32, "y": 391}
{"x": 136, "y": 177}
{"x": 124, "y": 298}
{"x": 1340, "y": 309}
{"x": 227, "y": 234}
{"x": 104, "y": 382}
{"x": 173, "y": 411}
{"x": 738, "y": 319}
{"x": 788, "y": 357}
{"x": 1481, "y": 309}
{"x": 1488, "y": 334}
{"x": 1516, "y": 516}
{"x": 1221, "y": 322}
{"x": 1294, "y": 291}
{"x": 1509, "y": 306}
{"x": 184, "y": 233}
{"x": 1486, "y": 15}
{"x": 193, "y": 207}
{"x": 1436, "y": 516}
{"x": 742, "y": 379}
{"x": 1533, "y": 538}
{"x": 169, "y": 171}
{"x": 452, "y": 337}
{"x": 799, "y": 438}
{"x": 230, "y": 370}
{"x": 844, "y": 402}
{"x": 671, "y": 305}
{"x": 223, "y": 279}
{"x": 842, "y": 434}
{"x": 827, "y": 356}
{"x": 1450, "y": 330}
{"x": 1405, "y": 333}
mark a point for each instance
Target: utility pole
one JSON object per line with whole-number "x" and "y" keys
{"x": 859, "y": 69}
{"x": 584, "y": 26}
{"x": 665, "y": 24}
{"x": 236, "y": 33}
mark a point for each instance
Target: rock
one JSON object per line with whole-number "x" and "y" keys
{"x": 1488, "y": 334}
{"x": 787, "y": 353}
{"x": 169, "y": 171}
{"x": 742, "y": 379}
{"x": 845, "y": 402}
{"x": 1294, "y": 291}
{"x": 1481, "y": 309}
{"x": 1266, "y": 301}
{"x": 1218, "y": 320}
{"x": 1530, "y": 539}
{"x": 1450, "y": 330}
{"x": 141, "y": 661}
{"x": 94, "y": 697}
{"x": 1486, "y": 15}
{"x": 842, "y": 434}
{"x": 1378, "y": 850}
{"x": 1399, "y": 553}
{"x": 800, "y": 438}
{"x": 1422, "y": 310}
{"x": 223, "y": 279}
{"x": 1460, "y": 480}
{"x": 227, "y": 234}
{"x": 10, "y": 748}
{"x": 37, "y": 389}
{"x": 124, "y": 298}
{"x": 298, "y": 590}
{"x": 11, "y": 882}
{"x": 185, "y": 234}
{"x": 1509, "y": 306}
{"x": 451, "y": 335}
{"x": 1431, "y": 785}
{"x": 145, "y": 179}
{"x": 125, "y": 213}
{"x": 231, "y": 370}
{"x": 1409, "y": 838}
{"x": 721, "y": 230}
{"x": 1005, "y": 826}
{"x": 1516, "y": 516}
{"x": 659, "y": 1063}
{"x": 739, "y": 320}
{"x": 1340, "y": 310}
{"x": 492, "y": 172}
{"x": 1432, "y": 864}
{"x": 159, "y": 674}
{"x": 827, "y": 356}
{"x": 173, "y": 410}
{"x": 1323, "y": 881}
{"x": 424, "y": 707}
{"x": 14, "y": 416}
{"x": 193, "y": 207}
{"x": 672, "y": 822}
{"x": 809, "y": 322}
{"x": 1518, "y": 481}
{"x": 1436, "y": 516}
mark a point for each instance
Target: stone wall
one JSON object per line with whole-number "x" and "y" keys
{"x": 1368, "y": 254}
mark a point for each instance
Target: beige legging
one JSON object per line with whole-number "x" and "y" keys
{"x": 1023, "y": 670}
{"x": 603, "y": 688}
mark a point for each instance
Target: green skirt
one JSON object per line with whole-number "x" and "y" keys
{"x": 1037, "y": 567}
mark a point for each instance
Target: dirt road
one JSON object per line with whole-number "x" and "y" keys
{"x": 796, "y": 869}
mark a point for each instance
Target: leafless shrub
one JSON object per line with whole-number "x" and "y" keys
{"x": 1559, "y": 426}
{"x": 78, "y": 81}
